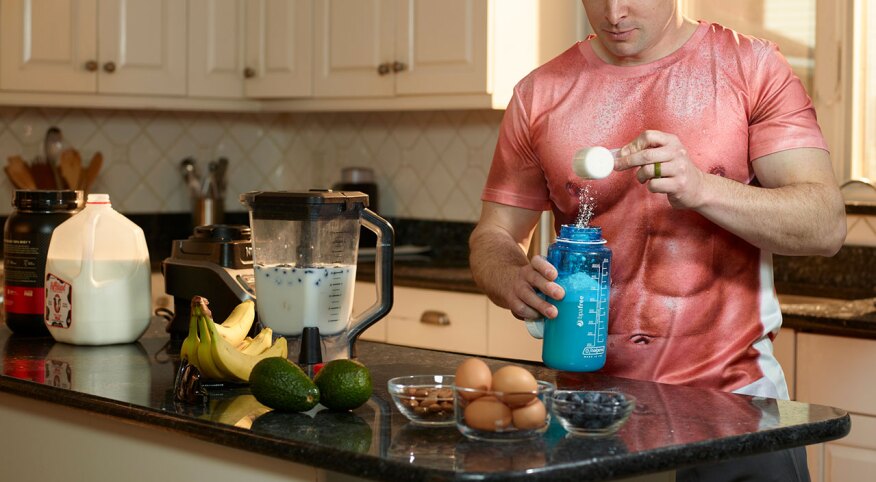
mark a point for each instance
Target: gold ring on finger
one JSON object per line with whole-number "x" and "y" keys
{"x": 657, "y": 170}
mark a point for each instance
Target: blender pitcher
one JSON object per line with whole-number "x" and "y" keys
{"x": 305, "y": 246}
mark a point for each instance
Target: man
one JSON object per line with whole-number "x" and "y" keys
{"x": 722, "y": 163}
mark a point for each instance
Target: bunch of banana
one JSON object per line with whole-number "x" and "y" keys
{"x": 224, "y": 352}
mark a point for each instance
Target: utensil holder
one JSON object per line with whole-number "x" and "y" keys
{"x": 208, "y": 210}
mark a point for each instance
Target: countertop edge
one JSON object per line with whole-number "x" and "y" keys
{"x": 605, "y": 468}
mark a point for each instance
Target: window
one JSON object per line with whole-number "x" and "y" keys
{"x": 837, "y": 36}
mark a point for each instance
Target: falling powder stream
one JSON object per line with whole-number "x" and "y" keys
{"x": 585, "y": 209}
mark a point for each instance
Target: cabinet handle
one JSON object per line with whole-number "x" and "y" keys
{"x": 249, "y": 72}
{"x": 109, "y": 67}
{"x": 383, "y": 68}
{"x": 91, "y": 66}
{"x": 399, "y": 66}
{"x": 434, "y": 317}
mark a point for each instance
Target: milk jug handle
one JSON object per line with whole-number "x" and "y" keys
{"x": 383, "y": 262}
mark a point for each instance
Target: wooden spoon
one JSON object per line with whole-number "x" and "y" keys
{"x": 19, "y": 173}
{"x": 70, "y": 165}
{"x": 90, "y": 173}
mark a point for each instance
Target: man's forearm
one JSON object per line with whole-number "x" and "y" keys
{"x": 797, "y": 219}
{"x": 494, "y": 259}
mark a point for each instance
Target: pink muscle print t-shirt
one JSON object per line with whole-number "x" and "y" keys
{"x": 691, "y": 303}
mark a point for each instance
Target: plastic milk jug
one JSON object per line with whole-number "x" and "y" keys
{"x": 97, "y": 280}
{"x": 576, "y": 339}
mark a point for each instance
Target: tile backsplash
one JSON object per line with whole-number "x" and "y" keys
{"x": 428, "y": 165}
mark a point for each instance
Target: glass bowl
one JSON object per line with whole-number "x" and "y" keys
{"x": 491, "y": 415}
{"x": 583, "y": 412}
{"x": 424, "y": 399}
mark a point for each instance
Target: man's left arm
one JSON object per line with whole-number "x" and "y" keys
{"x": 796, "y": 210}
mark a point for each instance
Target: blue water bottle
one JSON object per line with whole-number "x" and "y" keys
{"x": 576, "y": 339}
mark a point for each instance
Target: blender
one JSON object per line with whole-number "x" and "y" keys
{"x": 304, "y": 252}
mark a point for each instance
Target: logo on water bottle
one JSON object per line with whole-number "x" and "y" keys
{"x": 580, "y": 321}
{"x": 593, "y": 350}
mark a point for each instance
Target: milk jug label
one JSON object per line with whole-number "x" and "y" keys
{"x": 59, "y": 302}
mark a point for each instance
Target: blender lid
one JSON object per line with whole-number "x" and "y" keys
{"x": 295, "y": 205}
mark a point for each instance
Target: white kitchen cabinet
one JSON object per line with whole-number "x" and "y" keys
{"x": 466, "y": 53}
{"x": 838, "y": 371}
{"x": 507, "y": 337}
{"x": 785, "y": 351}
{"x": 400, "y": 47}
{"x": 250, "y": 48}
{"x": 446, "y": 320}
{"x": 438, "y": 320}
{"x": 94, "y": 46}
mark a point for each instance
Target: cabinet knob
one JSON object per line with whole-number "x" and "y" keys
{"x": 91, "y": 66}
{"x": 399, "y": 66}
{"x": 249, "y": 72}
{"x": 109, "y": 67}
{"x": 384, "y": 68}
{"x": 434, "y": 317}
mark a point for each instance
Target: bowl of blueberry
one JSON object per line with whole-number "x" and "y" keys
{"x": 583, "y": 412}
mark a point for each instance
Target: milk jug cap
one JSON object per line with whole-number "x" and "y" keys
{"x": 98, "y": 199}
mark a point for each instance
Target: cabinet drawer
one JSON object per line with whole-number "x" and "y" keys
{"x": 507, "y": 337}
{"x": 412, "y": 321}
{"x": 836, "y": 371}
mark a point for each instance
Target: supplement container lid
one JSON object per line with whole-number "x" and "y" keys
{"x": 47, "y": 200}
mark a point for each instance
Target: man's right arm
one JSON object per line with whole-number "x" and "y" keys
{"x": 500, "y": 267}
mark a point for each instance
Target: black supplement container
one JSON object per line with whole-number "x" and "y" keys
{"x": 26, "y": 237}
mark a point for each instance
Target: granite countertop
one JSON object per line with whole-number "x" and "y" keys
{"x": 824, "y": 315}
{"x": 671, "y": 427}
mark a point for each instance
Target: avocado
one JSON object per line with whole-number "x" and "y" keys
{"x": 282, "y": 385}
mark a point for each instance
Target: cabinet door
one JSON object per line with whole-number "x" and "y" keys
{"x": 443, "y": 46}
{"x": 353, "y": 38}
{"x": 851, "y": 458}
{"x": 507, "y": 337}
{"x": 279, "y": 48}
{"x": 216, "y": 48}
{"x": 46, "y": 45}
{"x": 837, "y": 371}
{"x": 438, "y": 320}
{"x": 142, "y": 47}
{"x": 785, "y": 351}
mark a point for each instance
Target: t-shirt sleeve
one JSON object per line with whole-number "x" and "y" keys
{"x": 782, "y": 116}
{"x": 516, "y": 177}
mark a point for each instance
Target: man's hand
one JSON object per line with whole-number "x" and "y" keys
{"x": 523, "y": 300}
{"x": 665, "y": 167}
{"x": 501, "y": 268}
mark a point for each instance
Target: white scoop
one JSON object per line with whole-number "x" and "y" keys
{"x": 593, "y": 162}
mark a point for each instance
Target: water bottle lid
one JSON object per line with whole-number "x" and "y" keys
{"x": 572, "y": 233}
{"x": 98, "y": 199}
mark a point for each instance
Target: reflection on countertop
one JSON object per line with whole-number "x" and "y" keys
{"x": 672, "y": 426}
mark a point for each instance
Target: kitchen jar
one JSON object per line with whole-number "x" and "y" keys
{"x": 26, "y": 237}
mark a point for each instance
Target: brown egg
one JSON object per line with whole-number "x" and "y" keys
{"x": 473, "y": 373}
{"x": 530, "y": 416}
{"x": 511, "y": 381}
{"x": 487, "y": 413}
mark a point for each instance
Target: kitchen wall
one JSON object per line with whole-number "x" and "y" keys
{"x": 429, "y": 165}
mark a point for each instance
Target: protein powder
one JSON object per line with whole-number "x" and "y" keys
{"x": 26, "y": 237}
